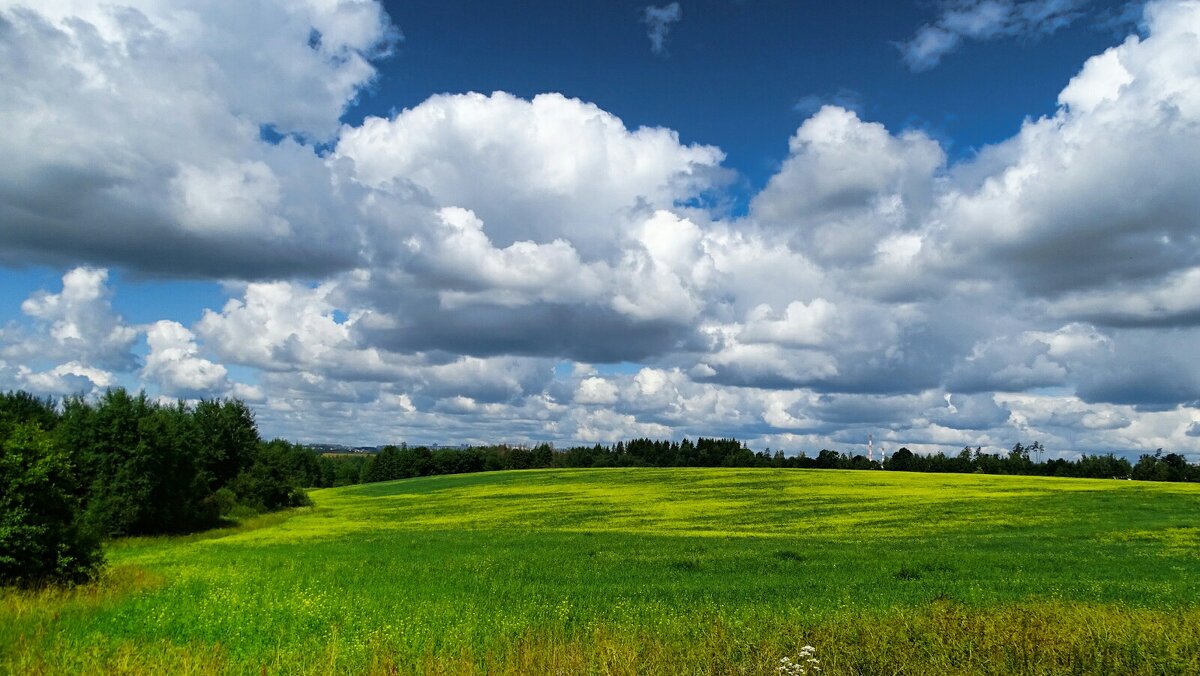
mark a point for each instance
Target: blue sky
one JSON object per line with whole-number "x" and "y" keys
{"x": 736, "y": 71}
{"x": 941, "y": 223}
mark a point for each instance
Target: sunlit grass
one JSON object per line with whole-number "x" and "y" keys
{"x": 650, "y": 571}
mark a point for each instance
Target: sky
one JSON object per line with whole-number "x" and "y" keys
{"x": 943, "y": 224}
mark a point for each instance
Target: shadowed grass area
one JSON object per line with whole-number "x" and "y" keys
{"x": 651, "y": 571}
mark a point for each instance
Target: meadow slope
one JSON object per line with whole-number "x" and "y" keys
{"x": 650, "y": 571}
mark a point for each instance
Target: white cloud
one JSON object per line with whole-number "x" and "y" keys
{"x": 229, "y": 198}
{"x": 175, "y": 366}
{"x": 595, "y": 390}
{"x": 658, "y": 22}
{"x": 278, "y": 326}
{"x": 1097, "y": 198}
{"x": 552, "y": 167}
{"x": 492, "y": 380}
{"x": 848, "y": 184}
{"x": 1169, "y": 301}
{"x": 294, "y": 65}
{"x": 606, "y": 426}
{"x": 802, "y": 324}
{"x": 1100, "y": 80}
{"x": 70, "y": 378}
{"x": 77, "y": 324}
{"x": 459, "y": 257}
{"x": 770, "y": 365}
{"x": 985, "y": 20}
{"x": 133, "y": 132}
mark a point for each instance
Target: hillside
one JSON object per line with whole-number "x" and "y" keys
{"x": 651, "y": 570}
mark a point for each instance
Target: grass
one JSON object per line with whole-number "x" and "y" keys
{"x": 650, "y": 571}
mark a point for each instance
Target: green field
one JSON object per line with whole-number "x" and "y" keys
{"x": 651, "y": 571}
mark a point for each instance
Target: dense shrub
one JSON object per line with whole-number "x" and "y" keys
{"x": 270, "y": 483}
{"x": 42, "y": 538}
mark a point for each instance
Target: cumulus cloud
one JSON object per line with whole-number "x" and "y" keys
{"x": 532, "y": 214}
{"x": 1173, "y": 300}
{"x": 494, "y": 380}
{"x": 658, "y": 22}
{"x": 76, "y": 344}
{"x": 1007, "y": 365}
{"x": 133, "y": 132}
{"x": 295, "y": 331}
{"x": 595, "y": 390}
{"x": 608, "y": 427}
{"x": 530, "y": 170}
{"x": 802, "y": 324}
{"x": 1096, "y": 199}
{"x": 175, "y": 366}
{"x": 985, "y": 20}
{"x": 76, "y": 325}
{"x": 71, "y": 378}
{"x": 848, "y": 185}
{"x": 276, "y": 326}
{"x": 1151, "y": 371}
{"x": 974, "y": 412}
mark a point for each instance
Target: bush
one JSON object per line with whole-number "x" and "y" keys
{"x": 266, "y": 487}
{"x": 224, "y": 500}
{"x": 41, "y": 537}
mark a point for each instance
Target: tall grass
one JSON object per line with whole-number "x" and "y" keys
{"x": 650, "y": 571}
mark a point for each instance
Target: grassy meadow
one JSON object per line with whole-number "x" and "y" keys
{"x": 625, "y": 571}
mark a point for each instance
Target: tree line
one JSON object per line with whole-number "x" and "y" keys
{"x": 403, "y": 461}
{"x": 400, "y": 462}
{"x": 1025, "y": 460}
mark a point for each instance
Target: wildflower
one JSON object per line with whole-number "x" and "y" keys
{"x": 806, "y": 663}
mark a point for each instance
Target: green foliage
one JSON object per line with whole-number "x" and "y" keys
{"x": 23, "y": 407}
{"x": 402, "y": 463}
{"x": 147, "y": 468}
{"x": 224, "y": 500}
{"x": 126, "y": 465}
{"x": 270, "y": 483}
{"x": 41, "y": 537}
{"x": 226, "y": 439}
{"x": 138, "y": 464}
{"x": 900, "y": 461}
{"x": 1169, "y": 467}
{"x": 343, "y": 470}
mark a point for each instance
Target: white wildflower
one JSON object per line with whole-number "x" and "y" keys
{"x": 805, "y": 665}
